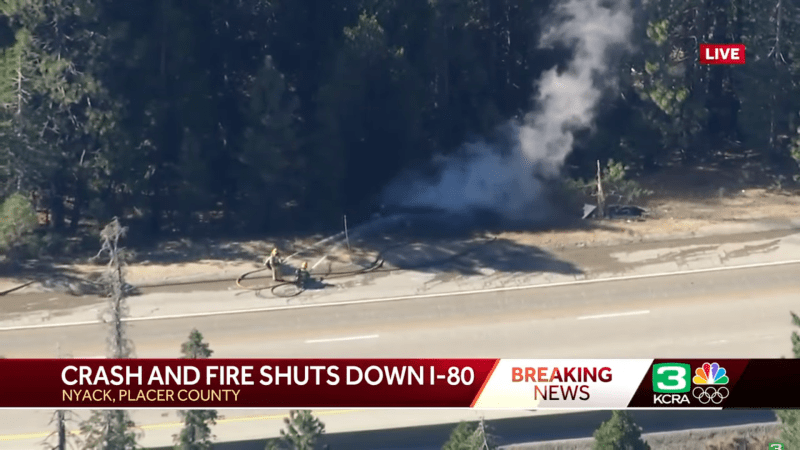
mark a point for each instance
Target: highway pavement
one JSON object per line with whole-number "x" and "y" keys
{"x": 730, "y": 313}
{"x": 515, "y": 430}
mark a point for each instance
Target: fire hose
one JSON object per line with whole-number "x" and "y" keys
{"x": 22, "y": 286}
{"x": 375, "y": 266}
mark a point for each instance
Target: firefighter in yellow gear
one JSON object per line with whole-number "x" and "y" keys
{"x": 303, "y": 275}
{"x": 274, "y": 263}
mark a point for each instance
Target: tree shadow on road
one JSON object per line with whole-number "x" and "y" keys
{"x": 471, "y": 248}
{"x": 476, "y": 256}
{"x": 55, "y": 277}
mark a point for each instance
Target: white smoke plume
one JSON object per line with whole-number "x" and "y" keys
{"x": 506, "y": 180}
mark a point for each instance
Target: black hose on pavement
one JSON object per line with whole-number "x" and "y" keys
{"x": 375, "y": 266}
{"x": 16, "y": 288}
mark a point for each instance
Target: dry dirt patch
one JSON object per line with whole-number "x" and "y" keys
{"x": 686, "y": 202}
{"x": 674, "y": 217}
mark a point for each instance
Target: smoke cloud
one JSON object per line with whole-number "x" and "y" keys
{"x": 505, "y": 178}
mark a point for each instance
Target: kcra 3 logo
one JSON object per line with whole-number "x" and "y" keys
{"x": 672, "y": 384}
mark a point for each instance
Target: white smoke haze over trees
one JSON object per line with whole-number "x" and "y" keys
{"x": 307, "y": 110}
{"x": 506, "y": 178}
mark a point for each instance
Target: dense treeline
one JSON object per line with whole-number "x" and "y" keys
{"x": 270, "y": 115}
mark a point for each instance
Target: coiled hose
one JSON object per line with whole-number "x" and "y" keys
{"x": 375, "y": 266}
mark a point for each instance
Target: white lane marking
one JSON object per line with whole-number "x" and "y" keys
{"x": 51, "y": 325}
{"x": 766, "y": 337}
{"x": 410, "y": 297}
{"x": 351, "y": 338}
{"x": 622, "y": 314}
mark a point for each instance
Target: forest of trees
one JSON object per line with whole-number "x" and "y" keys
{"x": 270, "y": 115}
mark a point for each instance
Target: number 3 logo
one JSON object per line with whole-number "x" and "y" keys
{"x": 776, "y": 446}
{"x": 671, "y": 378}
{"x": 676, "y": 374}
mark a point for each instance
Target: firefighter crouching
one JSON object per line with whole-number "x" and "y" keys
{"x": 274, "y": 263}
{"x": 303, "y": 275}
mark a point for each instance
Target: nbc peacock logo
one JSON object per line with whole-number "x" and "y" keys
{"x": 707, "y": 378}
{"x": 710, "y": 374}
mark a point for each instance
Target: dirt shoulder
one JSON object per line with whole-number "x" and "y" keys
{"x": 747, "y": 210}
{"x": 689, "y": 210}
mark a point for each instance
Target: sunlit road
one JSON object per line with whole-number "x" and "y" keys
{"x": 735, "y": 313}
{"x": 732, "y": 313}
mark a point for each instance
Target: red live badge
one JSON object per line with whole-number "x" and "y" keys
{"x": 722, "y": 54}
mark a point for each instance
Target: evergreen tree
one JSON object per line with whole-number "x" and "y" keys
{"x": 770, "y": 32}
{"x": 467, "y": 436}
{"x": 620, "y": 432}
{"x": 120, "y": 346}
{"x": 265, "y": 115}
{"x": 60, "y": 439}
{"x": 17, "y": 219}
{"x": 790, "y": 427}
{"x": 56, "y": 116}
{"x": 366, "y": 128}
{"x": 109, "y": 430}
{"x": 790, "y": 419}
{"x": 269, "y": 161}
{"x": 196, "y": 431}
{"x": 666, "y": 76}
{"x": 301, "y": 432}
{"x": 195, "y": 347}
{"x": 106, "y": 430}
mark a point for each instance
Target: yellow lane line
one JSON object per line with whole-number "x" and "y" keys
{"x": 157, "y": 426}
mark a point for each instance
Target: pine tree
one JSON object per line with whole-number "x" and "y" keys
{"x": 381, "y": 111}
{"x": 106, "y": 430}
{"x": 790, "y": 427}
{"x": 269, "y": 161}
{"x": 55, "y": 115}
{"x": 667, "y": 78}
{"x": 461, "y": 438}
{"x": 60, "y": 439}
{"x": 195, "y": 348}
{"x": 109, "y": 430}
{"x": 790, "y": 419}
{"x": 60, "y": 419}
{"x": 620, "y": 432}
{"x": 468, "y": 436}
{"x": 301, "y": 433}
{"x": 119, "y": 344}
{"x": 196, "y": 431}
{"x": 770, "y": 32}
{"x": 17, "y": 219}
{"x": 795, "y": 336}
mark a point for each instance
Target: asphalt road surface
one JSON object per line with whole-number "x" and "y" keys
{"x": 523, "y": 429}
{"x": 734, "y": 313}
{"x": 743, "y": 313}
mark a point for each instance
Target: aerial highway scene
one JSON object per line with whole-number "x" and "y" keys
{"x": 352, "y": 179}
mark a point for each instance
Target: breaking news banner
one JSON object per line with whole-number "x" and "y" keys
{"x": 399, "y": 383}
